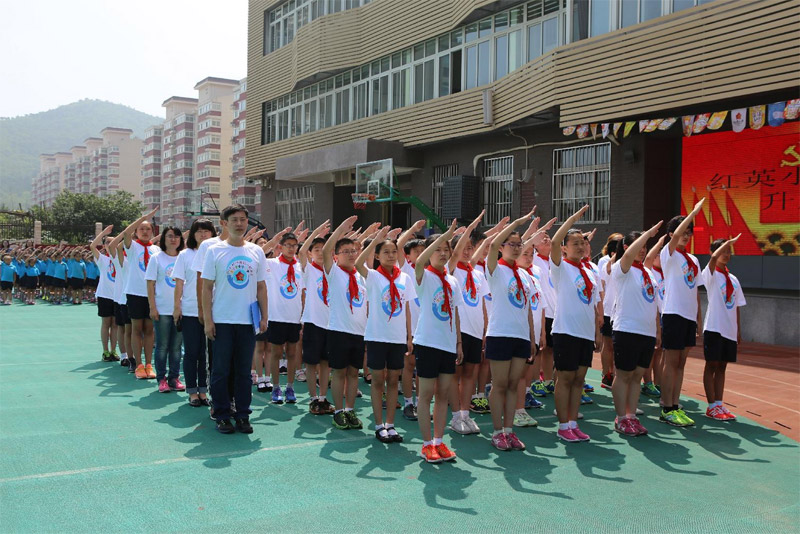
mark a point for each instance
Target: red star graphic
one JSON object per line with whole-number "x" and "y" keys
{"x": 239, "y": 276}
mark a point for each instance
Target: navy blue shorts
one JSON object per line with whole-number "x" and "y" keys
{"x": 433, "y": 362}
{"x": 501, "y": 349}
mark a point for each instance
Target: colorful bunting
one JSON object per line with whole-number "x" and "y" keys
{"x": 739, "y": 119}
{"x": 792, "y": 109}
{"x": 569, "y": 130}
{"x": 757, "y": 114}
{"x": 583, "y": 130}
{"x": 617, "y": 126}
{"x": 666, "y": 124}
{"x": 775, "y": 113}
{"x": 700, "y": 122}
{"x": 717, "y": 119}
{"x": 605, "y": 128}
{"x": 628, "y": 127}
{"x": 688, "y": 124}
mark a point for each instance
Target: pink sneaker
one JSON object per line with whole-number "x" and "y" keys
{"x": 500, "y": 442}
{"x": 642, "y": 431}
{"x": 177, "y": 385}
{"x": 580, "y": 435}
{"x": 163, "y": 387}
{"x": 728, "y": 415}
{"x": 568, "y": 435}
{"x": 514, "y": 442}
{"x": 625, "y": 427}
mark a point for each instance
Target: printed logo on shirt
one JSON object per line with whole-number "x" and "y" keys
{"x": 288, "y": 291}
{"x": 168, "y": 279}
{"x": 386, "y": 301}
{"x": 469, "y": 300}
{"x": 648, "y": 291}
{"x": 239, "y": 271}
{"x": 438, "y": 304}
{"x": 358, "y": 301}
{"x": 688, "y": 275}
{"x": 550, "y": 281}
{"x": 535, "y": 294}
{"x": 661, "y": 290}
{"x": 319, "y": 289}
{"x": 140, "y": 261}
{"x": 517, "y": 302}
{"x": 583, "y": 293}
{"x": 111, "y": 272}
{"x": 728, "y": 303}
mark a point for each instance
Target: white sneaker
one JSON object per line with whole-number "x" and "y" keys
{"x": 473, "y": 425}
{"x": 300, "y": 375}
{"x": 580, "y": 415}
{"x": 460, "y": 426}
{"x": 639, "y": 411}
{"x": 523, "y": 419}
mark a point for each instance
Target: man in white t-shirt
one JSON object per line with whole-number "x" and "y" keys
{"x": 234, "y": 274}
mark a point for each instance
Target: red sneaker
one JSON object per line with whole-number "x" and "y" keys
{"x": 716, "y": 413}
{"x": 580, "y": 435}
{"x": 163, "y": 387}
{"x": 514, "y": 442}
{"x": 500, "y": 442}
{"x": 430, "y": 454}
{"x": 642, "y": 431}
{"x": 177, "y": 385}
{"x": 568, "y": 435}
{"x": 445, "y": 453}
{"x": 728, "y": 415}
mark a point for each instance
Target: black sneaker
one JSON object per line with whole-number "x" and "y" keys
{"x": 608, "y": 381}
{"x": 410, "y": 412}
{"x": 325, "y": 407}
{"x": 262, "y": 387}
{"x": 313, "y": 408}
{"x": 243, "y": 425}
{"x": 359, "y": 394}
{"x": 352, "y": 420}
{"x": 124, "y": 362}
{"x": 224, "y": 426}
{"x": 340, "y": 421}
{"x": 211, "y": 413}
{"x": 131, "y": 365}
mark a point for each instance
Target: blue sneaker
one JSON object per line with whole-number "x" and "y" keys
{"x": 277, "y": 398}
{"x": 529, "y": 400}
{"x": 290, "y": 397}
{"x": 586, "y": 399}
{"x": 588, "y": 388}
{"x": 535, "y": 404}
{"x": 551, "y": 387}
{"x": 538, "y": 389}
{"x": 488, "y": 388}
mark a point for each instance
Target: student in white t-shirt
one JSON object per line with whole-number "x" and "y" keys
{"x": 546, "y": 386}
{"x": 388, "y": 330}
{"x": 609, "y": 295}
{"x": 161, "y": 297}
{"x": 652, "y": 377}
{"x": 576, "y": 325}
{"x": 722, "y": 330}
{"x": 681, "y": 315}
{"x": 185, "y": 314}
{"x": 105, "y": 296}
{"x": 116, "y": 250}
{"x": 234, "y": 274}
{"x": 636, "y": 328}
{"x": 437, "y": 341}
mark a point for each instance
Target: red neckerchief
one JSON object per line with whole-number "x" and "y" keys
{"x": 324, "y": 283}
{"x": 446, "y": 289}
{"x": 473, "y": 290}
{"x": 352, "y": 285}
{"x": 728, "y": 282}
{"x": 515, "y": 269}
{"x": 411, "y": 263}
{"x": 146, "y": 251}
{"x": 659, "y": 271}
{"x": 648, "y": 283}
{"x": 289, "y": 272}
{"x": 543, "y": 257}
{"x": 394, "y": 294}
{"x": 689, "y": 262}
{"x": 587, "y": 281}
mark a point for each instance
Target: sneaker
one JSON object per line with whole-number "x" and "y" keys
{"x": 359, "y": 394}
{"x": 300, "y": 375}
{"x": 685, "y": 418}
{"x": 607, "y": 381}
{"x": 140, "y": 372}
{"x": 267, "y": 385}
{"x": 671, "y": 418}
{"x": 639, "y": 411}
{"x": 625, "y": 427}
{"x": 277, "y": 397}
{"x": 529, "y": 400}
{"x": 536, "y": 404}
{"x": 151, "y": 373}
{"x": 479, "y": 405}
{"x": 114, "y": 356}
{"x": 325, "y": 407}
{"x": 243, "y": 425}
{"x": 290, "y": 396}
{"x": 728, "y": 415}
{"x": 177, "y": 385}
{"x": 352, "y": 420}
{"x": 642, "y": 431}
{"x": 124, "y": 362}
{"x": 163, "y": 387}
{"x": 106, "y": 356}
{"x": 588, "y": 388}
{"x": 283, "y": 367}
{"x": 487, "y": 389}
{"x": 224, "y": 426}
{"x": 716, "y": 413}
{"x": 314, "y": 407}
{"x": 262, "y": 387}
{"x": 586, "y": 399}
{"x": 460, "y": 426}
{"x": 550, "y": 388}
{"x": 651, "y": 390}
{"x": 568, "y": 436}
{"x": 473, "y": 425}
{"x": 410, "y": 412}
{"x": 578, "y": 433}
{"x": 430, "y": 454}
{"x": 500, "y": 442}
{"x": 514, "y": 442}
{"x": 523, "y": 419}
{"x": 132, "y": 366}
{"x": 340, "y": 421}
{"x": 445, "y": 453}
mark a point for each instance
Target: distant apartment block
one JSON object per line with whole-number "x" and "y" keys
{"x": 243, "y": 191}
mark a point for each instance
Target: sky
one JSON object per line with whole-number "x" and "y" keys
{"x": 55, "y": 52}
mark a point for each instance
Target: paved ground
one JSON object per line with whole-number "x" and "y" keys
{"x": 85, "y": 448}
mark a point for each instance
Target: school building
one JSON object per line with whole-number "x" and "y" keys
{"x": 504, "y": 105}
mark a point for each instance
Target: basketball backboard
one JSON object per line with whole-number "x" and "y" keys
{"x": 376, "y": 178}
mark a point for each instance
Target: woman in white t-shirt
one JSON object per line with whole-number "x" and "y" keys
{"x": 161, "y": 297}
{"x": 525, "y": 397}
{"x": 186, "y": 316}
{"x": 387, "y": 334}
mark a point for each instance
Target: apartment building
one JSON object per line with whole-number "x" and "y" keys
{"x": 177, "y": 139}
{"x": 243, "y": 191}
{"x": 151, "y": 167}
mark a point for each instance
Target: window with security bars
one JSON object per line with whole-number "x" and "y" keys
{"x": 582, "y": 175}
{"x": 440, "y": 173}
{"x": 498, "y": 188}
{"x": 293, "y": 205}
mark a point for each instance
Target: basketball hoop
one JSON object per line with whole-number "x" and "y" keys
{"x": 360, "y": 200}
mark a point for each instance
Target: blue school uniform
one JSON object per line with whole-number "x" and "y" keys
{"x": 92, "y": 272}
{"x": 76, "y": 269}
{"x": 32, "y": 271}
{"x": 59, "y": 270}
{"x": 7, "y": 272}
{"x": 51, "y": 268}
{"x": 42, "y": 266}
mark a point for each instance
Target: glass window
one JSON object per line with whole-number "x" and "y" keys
{"x": 485, "y": 28}
{"x": 484, "y": 61}
{"x": 678, "y": 5}
{"x": 343, "y": 106}
{"x": 419, "y": 51}
{"x": 580, "y": 19}
{"x": 419, "y": 83}
{"x": 600, "y": 17}
{"x": 380, "y": 95}
{"x": 549, "y": 34}
{"x": 457, "y": 37}
{"x": 326, "y": 111}
{"x": 429, "y": 79}
{"x": 630, "y": 13}
{"x": 534, "y": 41}
{"x": 515, "y": 16}
{"x": 650, "y": 9}
{"x": 500, "y": 56}
{"x": 361, "y": 101}
{"x": 310, "y": 116}
{"x": 582, "y": 175}
{"x": 444, "y": 75}
{"x": 430, "y": 47}
{"x": 401, "y": 88}
{"x": 444, "y": 42}
{"x": 472, "y": 32}
{"x": 472, "y": 67}
{"x": 500, "y": 22}
{"x": 514, "y": 50}
{"x": 498, "y": 188}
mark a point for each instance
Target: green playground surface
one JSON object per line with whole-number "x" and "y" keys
{"x": 87, "y": 448}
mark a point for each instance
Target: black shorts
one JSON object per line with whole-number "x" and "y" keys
{"x": 345, "y": 350}
{"x": 121, "y": 316}
{"x": 570, "y": 352}
{"x": 105, "y": 307}
{"x": 502, "y": 349}
{"x": 76, "y": 283}
{"x": 58, "y": 283}
{"x": 717, "y": 348}
{"x": 91, "y": 282}
{"x": 606, "y": 329}
{"x": 472, "y": 348}
{"x": 5, "y": 286}
{"x": 433, "y": 362}
{"x": 280, "y": 333}
{"x": 632, "y": 350}
{"x": 548, "y": 331}
{"x": 28, "y": 282}
{"x": 138, "y": 307}
{"x": 314, "y": 344}
{"x": 391, "y": 356}
{"x": 262, "y": 336}
{"x": 677, "y": 332}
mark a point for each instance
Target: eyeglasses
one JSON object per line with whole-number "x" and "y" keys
{"x": 513, "y": 245}
{"x": 348, "y": 251}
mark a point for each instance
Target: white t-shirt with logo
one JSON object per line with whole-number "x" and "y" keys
{"x": 437, "y": 329}
{"x": 471, "y": 313}
{"x": 285, "y": 299}
{"x": 636, "y": 309}
{"x": 487, "y": 298}
{"x": 200, "y": 257}
{"x": 510, "y": 304}
{"x": 119, "y": 281}
{"x": 548, "y": 289}
{"x": 107, "y": 276}
{"x": 537, "y": 302}
{"x": 602, "y": 262}
{"x": 184, "y": 271}
{"x": 135, "y": 282}
{"x": 413, "y": 305}
{"x": 161, "y": 270}
{"x": 658, "y": 278}
{"x": 316, "y": 311}
{"x": 342, "y": 317}
{"x": 721, "y": 313}
{"x": 236, "y": 272}
{"x": 574, "y": 304}
{"x": 380, "y": 326}
{"x": 610, "y": 292}
{"x": 680, "y": 286}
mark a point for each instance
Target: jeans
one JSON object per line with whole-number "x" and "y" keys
{"x": 194, "y": 356}
{"x": 168, "y": 347}
{"x": 233, "y": 357}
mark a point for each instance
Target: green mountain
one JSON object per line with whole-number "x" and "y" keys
{"x": 23, "y": 138}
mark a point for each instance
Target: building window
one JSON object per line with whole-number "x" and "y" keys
{"x": 498, "y": 188}
{"x": 281, "y": 23}
{"x": 582, "y": 175}
{"x": 440, "y": 173}
{"x": 293, "y": 205}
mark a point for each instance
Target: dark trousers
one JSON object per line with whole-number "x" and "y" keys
{"x": 194, "y": 356}
{"x": 233, "y": 357}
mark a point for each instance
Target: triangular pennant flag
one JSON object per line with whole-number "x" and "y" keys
{"x": 628, "y": 127}
{"x": 643, "y": 125}
{"x": 700, "y": 122}
{"x": 792, "y": 109}
{"x": 652, "y": 125}
{"x": 617, "y": 126}
{"x": 720, "y": 229}
{"x": 775, "y": 113}
{"x": 739, "y": 119}
{"x": 702, "y": 237}
{"x": 688, "y": 123}
{"x": 593, "y": 128}
{"x": 583, "y": 130}
{"x": 717, "y": 119}
{"x": 605, "y": 129}
{"x": 666, "y": 124}
{"x": 757, "y": 114}
{"x": 569, "y": 130}
{"x": 747, "y": 244}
